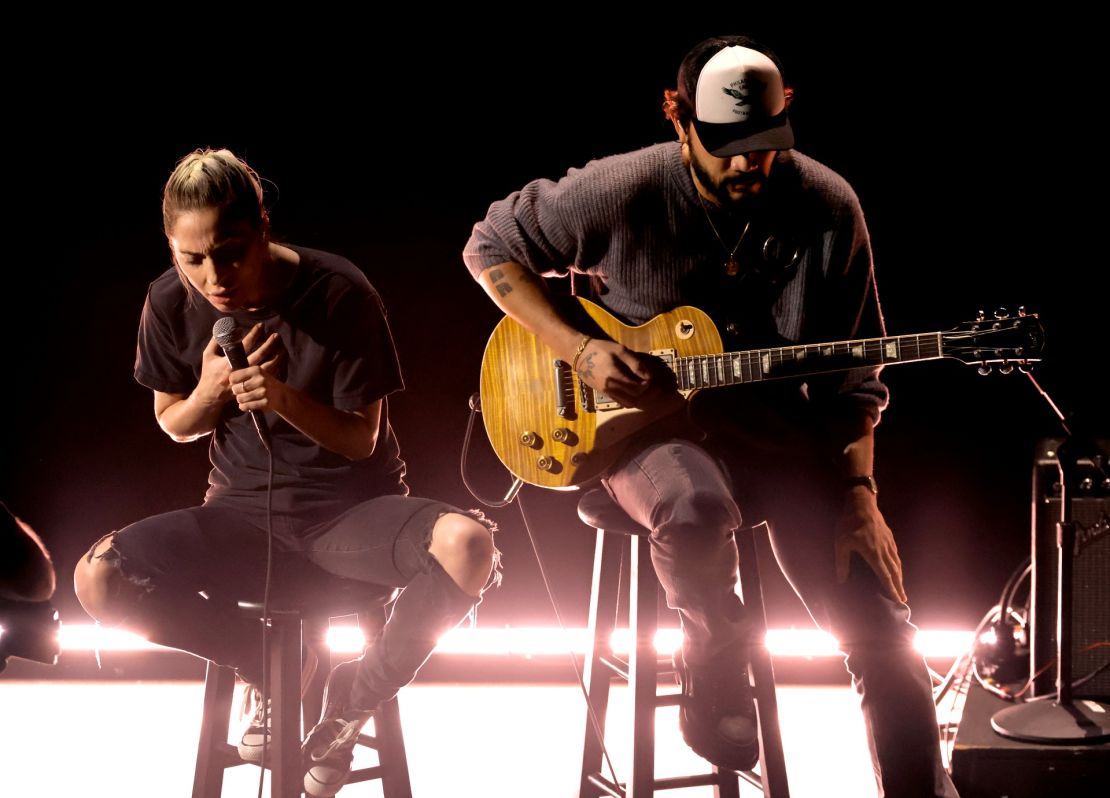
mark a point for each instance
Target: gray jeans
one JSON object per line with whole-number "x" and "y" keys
{"x": 680, "y": 491}
{"x": 220, "y": 549}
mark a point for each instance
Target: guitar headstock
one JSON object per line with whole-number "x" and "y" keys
{"x": 1004, "y": 340}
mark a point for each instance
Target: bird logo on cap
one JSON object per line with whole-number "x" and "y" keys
{"x": 742, "y": 95}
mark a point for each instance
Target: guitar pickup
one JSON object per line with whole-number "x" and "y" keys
{"x": 666, "y": 355}
{"x": 599, "y": 401}
{"x": 564, "y": 390}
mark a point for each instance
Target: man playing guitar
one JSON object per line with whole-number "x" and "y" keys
{"x": 773, "y": 246}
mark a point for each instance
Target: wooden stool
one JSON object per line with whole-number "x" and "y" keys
{"x": 294, "y": 626}
{"x": 598, "y": 510}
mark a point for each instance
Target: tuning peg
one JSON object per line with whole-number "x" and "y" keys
{"x": 1025, "y": 368}
{"x": 984, "y": 369}
{"x": 1002, "y": 313}
{"x": 1022, "y": 311}
{"x": 980, "y": 315}
{"x": 1006, "y": 368}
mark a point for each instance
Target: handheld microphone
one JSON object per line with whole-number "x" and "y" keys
{"x": 230, "y": 338}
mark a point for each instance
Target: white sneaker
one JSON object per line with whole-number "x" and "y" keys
{"x": 329, "y": 748}
{"x": 258, "y": 730}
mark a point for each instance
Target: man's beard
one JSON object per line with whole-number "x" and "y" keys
{"x": 719, "y": 191}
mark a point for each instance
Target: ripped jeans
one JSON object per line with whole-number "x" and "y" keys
{"x": 681, "y": 492}
{"x": 193, "y": 565}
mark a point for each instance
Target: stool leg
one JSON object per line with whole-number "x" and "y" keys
{"x": 208, "y": 778}
{"x": 643, "y": 620}
{"x": 391, "y": 750}
{"x": 285, "y": 678}
{"x": 772, "y": 764}
{"x": 596, "y": 675}
{"x": 387, "y": 729}
{"x": 314, "y": 633}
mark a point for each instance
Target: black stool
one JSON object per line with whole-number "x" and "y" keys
{"x": 293, "y": 626}
{"x": 598, "y": 510}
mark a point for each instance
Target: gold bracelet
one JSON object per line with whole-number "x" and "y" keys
{"x": 578, "y": 352}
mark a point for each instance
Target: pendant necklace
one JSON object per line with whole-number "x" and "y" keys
{"x": 732, "y": 265}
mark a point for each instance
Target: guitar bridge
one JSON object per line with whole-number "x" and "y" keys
{"x": 564, "y": 390}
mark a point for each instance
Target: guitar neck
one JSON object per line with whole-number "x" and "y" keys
{"x": 759, "y": 365}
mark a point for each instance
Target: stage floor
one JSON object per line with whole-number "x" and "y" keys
{"x": 138, "y": 739}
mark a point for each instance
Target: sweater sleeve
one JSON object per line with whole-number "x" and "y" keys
{"x": 526, "y": 228}
{"x": 587, "y": 218}
{"x": 852, "y": 311}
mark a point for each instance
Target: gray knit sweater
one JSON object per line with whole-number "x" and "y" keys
{"x": 635, "y": 223}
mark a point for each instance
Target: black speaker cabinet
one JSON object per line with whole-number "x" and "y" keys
{"x": 1090, "y": 623}
{"x": 988, "y": 765}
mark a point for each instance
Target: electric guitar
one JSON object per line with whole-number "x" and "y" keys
{"x": 552, "y": 430}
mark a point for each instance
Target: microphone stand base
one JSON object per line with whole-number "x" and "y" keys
{"x": 1078, "y": 722}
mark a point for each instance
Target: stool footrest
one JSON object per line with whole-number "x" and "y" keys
{"x": 751, "y": 777}
{"x": 701, "y": 780}
{"x": 228, "y": 755}
{"x": 672, "y": 783}
{"x": 606, "y": 786}
{"x": 365, "y": 774}
{"x": 618, "y": 667}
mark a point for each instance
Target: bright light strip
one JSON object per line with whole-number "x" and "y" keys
{"x": 534, "y": 641}
{"x": 92, "y": 637}
{"x": 346, "y": 639}
{"x": 801, "y": 643}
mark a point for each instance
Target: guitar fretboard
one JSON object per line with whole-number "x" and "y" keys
{"x": 756, "y": 365}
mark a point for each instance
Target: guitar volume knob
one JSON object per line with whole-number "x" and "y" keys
{"x": 530, "y": 439}
{"x": 548, "y": 464}
{"x": 564, "y": 435}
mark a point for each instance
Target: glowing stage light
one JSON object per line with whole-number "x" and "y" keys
{"x": 93, "y": 637}
{"x": 536, "y": 641}
{"x": 801, "y": 643}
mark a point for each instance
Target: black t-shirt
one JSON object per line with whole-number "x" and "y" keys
{"x": 338, "y": 350}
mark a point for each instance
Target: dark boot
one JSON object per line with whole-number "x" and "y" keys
{"x": 431, "y": 605}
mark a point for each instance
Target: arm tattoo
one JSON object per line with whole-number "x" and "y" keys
{"x": 500, "y": 282}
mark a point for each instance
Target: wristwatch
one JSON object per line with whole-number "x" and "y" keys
{"x": 866, "y": 480}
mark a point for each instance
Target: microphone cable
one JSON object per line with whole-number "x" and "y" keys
{"x": 229, "y": 337}
{"x": 266, "y": 717}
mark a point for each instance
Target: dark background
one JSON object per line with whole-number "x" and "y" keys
{"x": 966, "y": 141}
